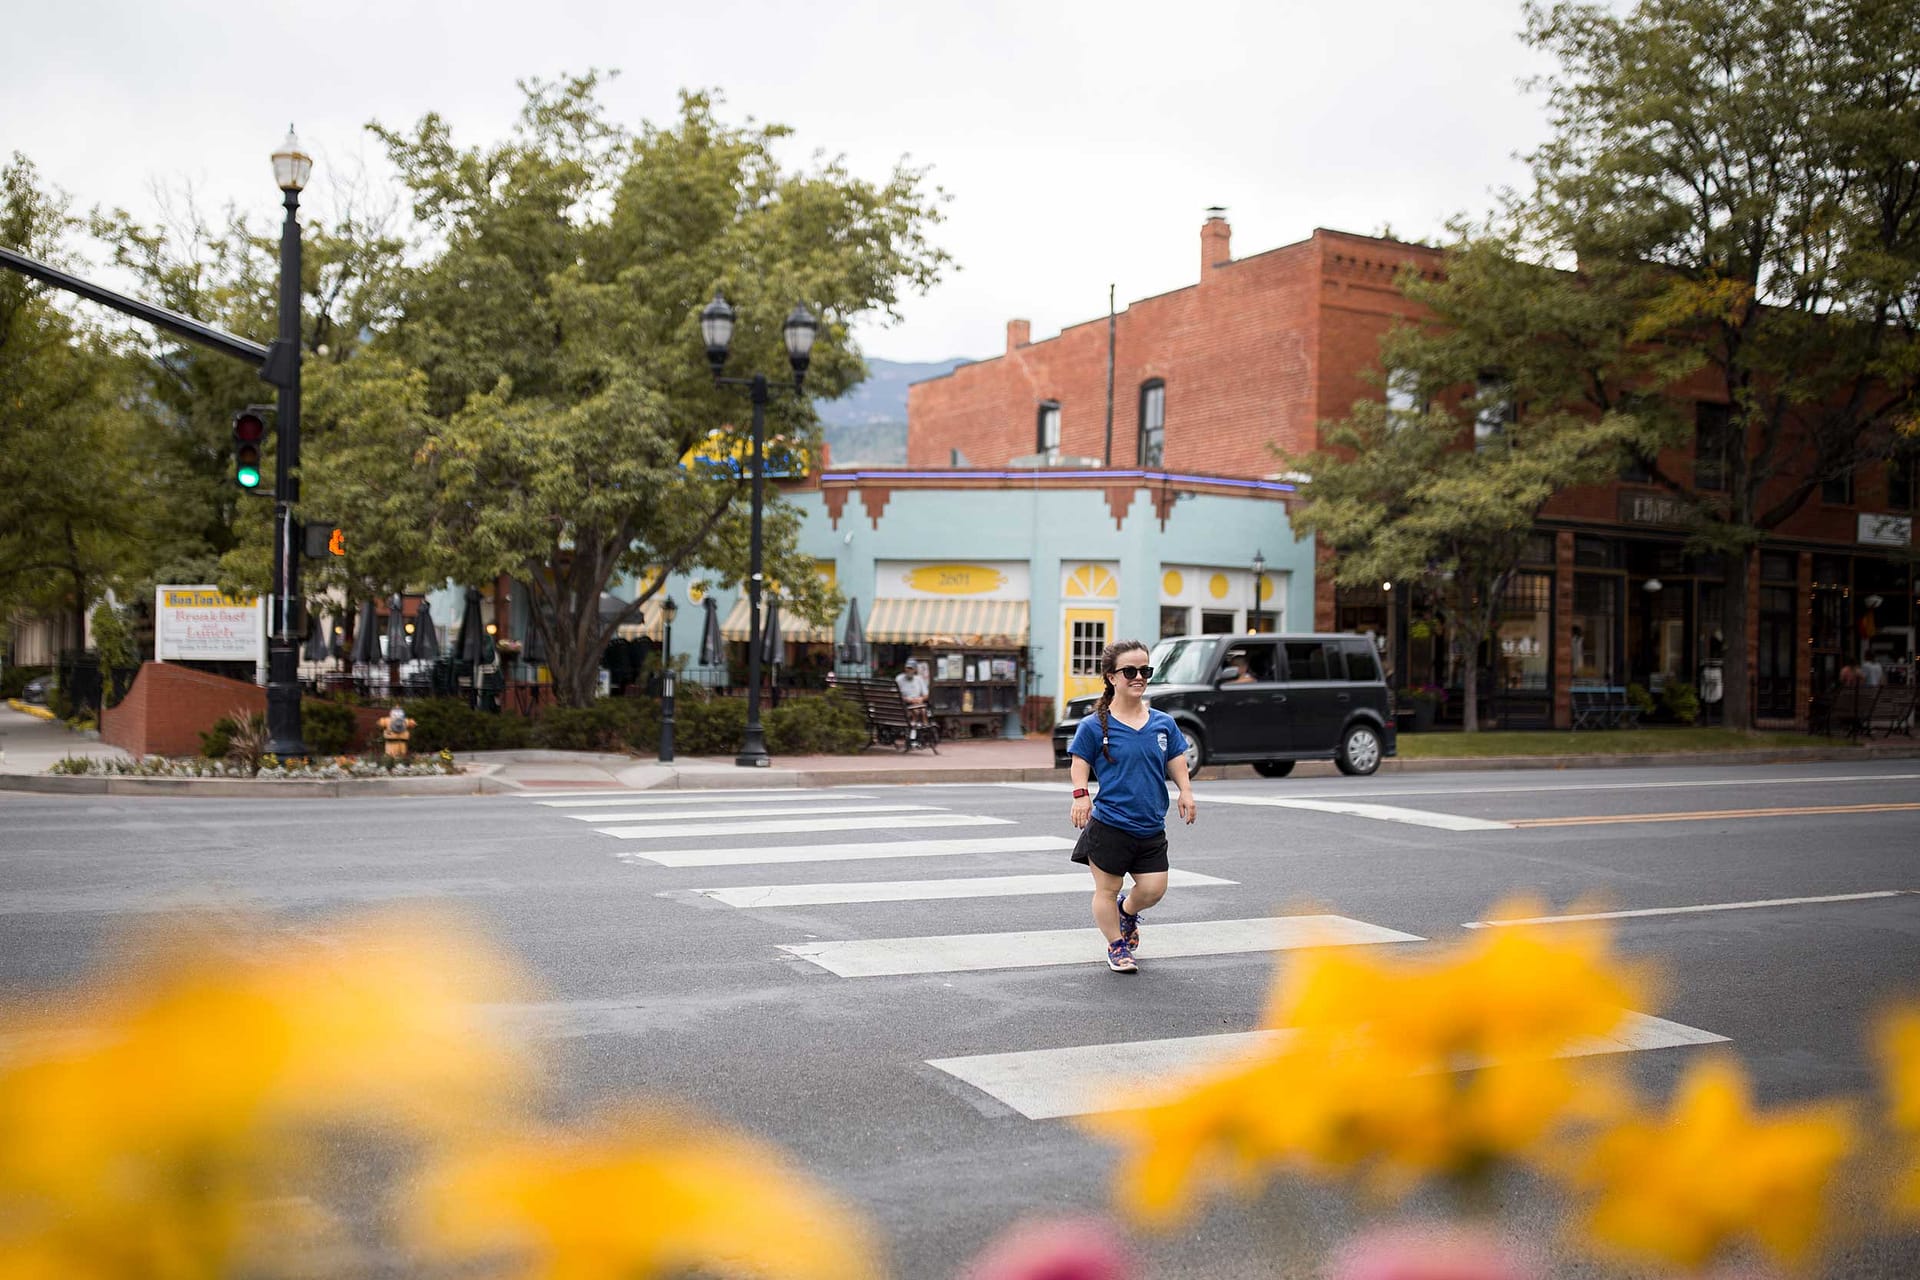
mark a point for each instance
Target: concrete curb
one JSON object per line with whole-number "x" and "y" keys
{"x": 482, "y": 780}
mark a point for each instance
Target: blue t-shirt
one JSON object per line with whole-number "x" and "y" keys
{"x": 1133, "y": 786}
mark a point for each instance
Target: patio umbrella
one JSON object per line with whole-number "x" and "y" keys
{"x": 535, "y": 650}
{"x": 426, "y": 639}
{"x": 396, "y": 629}
{"x": 466, "y": 646}
{"x": 853, "y": 641}
{"x": 319, "y": 639}
{"x": 713, "y": 649}
{"x": 774, "y": 648}
{"x": 364, "y": 647}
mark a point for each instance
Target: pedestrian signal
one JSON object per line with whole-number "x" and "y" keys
{"x": 337, "y": 542}
{"x": 249, "y": 431}
{"x": 322, "y": 538}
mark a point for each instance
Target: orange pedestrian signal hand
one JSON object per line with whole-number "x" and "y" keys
{"x": 337, "y": 542}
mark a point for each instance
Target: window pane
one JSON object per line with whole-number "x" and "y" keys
{"x": 1173, "y": 620}
{"x": 1307, "y": 660}
{"x": 1495, "y": 412}
{"x": 1712, "y": 441}
{"x": 1089, "y": 638}
{"x": 1153, "y": 422}
{"x": 1049, "y": 434}
{"x": 1213, "y": 623}
{"x": 1362, "y": 662}
{"x": 1403, "y": 391}
{"x": 1522, "y": 640}
{"x": 1255, "y": 661}
{"x": 1838, "y": 491}
{"x": 1596, "y": 605}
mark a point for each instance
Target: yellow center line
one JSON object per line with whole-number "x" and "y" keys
{"x": 1708, "y": 815}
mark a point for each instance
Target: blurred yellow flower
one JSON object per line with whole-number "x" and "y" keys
{"x": 1899, "y": 1044}
{"x": 1685, "y": 1187}
{"x": 1395, "y": 1069}
{"x": 137, "y": 1124}
{"x": 644, "y": 1196}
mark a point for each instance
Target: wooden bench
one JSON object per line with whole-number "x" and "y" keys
{"x": 889, "y": 722}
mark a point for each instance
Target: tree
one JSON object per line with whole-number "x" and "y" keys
{"x": 1444, "y": 496}
{"x": 74, "y": 465}
{"x": 528, "y": 409}
{"x": 1743, "y": 177}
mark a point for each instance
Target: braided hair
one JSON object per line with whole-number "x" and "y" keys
{"x": 1108, "y": 657}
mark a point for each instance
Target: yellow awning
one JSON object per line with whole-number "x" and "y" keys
{"x": 647, "y": 622}
{"x": 796, "y": 629}
{"x": 977, "y": 623}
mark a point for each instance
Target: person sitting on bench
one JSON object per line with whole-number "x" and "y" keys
{"x": 912, "y": 683}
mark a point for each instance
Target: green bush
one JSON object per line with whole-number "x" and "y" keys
{"x": 327, "y": 725}
{"x": 13, "y": 681}
{"x": 709, "y": 726}
{"x": 827, "y": 725}
{"x": 610, "y": 724}
{"x": 1681, "y": 702}
{"x": 214, "y": 742}
{"x": 450, "y": 724}
{"x": 1640, "y": 698}
{"x": 114, "y": 645}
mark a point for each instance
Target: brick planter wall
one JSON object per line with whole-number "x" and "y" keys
{"x": 170, "y": 705}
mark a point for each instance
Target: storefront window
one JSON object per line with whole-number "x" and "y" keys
{"x": 1215, "y": 623}
{"x": 1596, "y": 621}
{"x": 1523, "y": 640}
{"x": 1173, "y": 620}
{"x": 1773, "y": 669}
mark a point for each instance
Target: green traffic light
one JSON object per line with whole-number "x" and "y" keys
{"x": 249, "y": 477}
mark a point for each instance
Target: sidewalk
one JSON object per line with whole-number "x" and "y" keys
{"x": 29, "y": 746}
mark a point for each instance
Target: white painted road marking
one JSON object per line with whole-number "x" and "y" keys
{"x": 784, "y": 795}
{"x": 809, "y": 895}
{"x": 749, "y": 856}
{"x": 1360, "y": 809}
{"x": 1045, "y": 1084}
{"x": 955, "y": 953}
{"x": 1680, "y": 911}
{"x": 888, "y": 822}
{"x": 673, "y": 815}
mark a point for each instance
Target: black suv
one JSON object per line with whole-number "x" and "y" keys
{"x": 1268, "y": 700}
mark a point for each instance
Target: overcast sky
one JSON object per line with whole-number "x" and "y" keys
{"x": 1080, "y": 142}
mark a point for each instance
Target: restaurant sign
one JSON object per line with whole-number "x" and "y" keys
{"x": 1886, "y": 531}
{"x": 1655, "y": 508}
{"x": 206, "y": 624}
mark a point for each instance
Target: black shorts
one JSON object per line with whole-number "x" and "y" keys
{"x": 1118, "y": 852}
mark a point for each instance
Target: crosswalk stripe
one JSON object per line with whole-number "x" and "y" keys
{"x": 876, "y": 957}
{"x": 773, "y": 854}
{"x": 835, "y": 823}
{"x": 1357, "y": 809}
{"x": 669, "y": 815}
{"x": 772, "y": 795}
{"x": 1045, "y": 1084}
{"x": 812, "y": 895}
{"x": 616, "y": 794}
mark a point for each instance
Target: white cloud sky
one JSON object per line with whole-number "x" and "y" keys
{"x": 1080, "y": 142}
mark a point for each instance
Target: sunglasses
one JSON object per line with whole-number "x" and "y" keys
{"x": 1134, "y": 673}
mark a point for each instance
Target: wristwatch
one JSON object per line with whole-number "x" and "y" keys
{"x": 1081, "y": 793}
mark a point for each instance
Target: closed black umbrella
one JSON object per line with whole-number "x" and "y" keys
{"x": 535, "y": 650}
{"x": 319, "y": 640}
{"x": 426, "y": 638}
{"x": 853, "y": 641}
{"x": 472, "y": 635}
{"x": 713, "y": 646}
{"x": 774, "y": 649}
{"x": 365, "y": 646}
{"x": 396, "y": 629}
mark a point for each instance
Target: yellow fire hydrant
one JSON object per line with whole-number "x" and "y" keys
{"x": 399, "y": 730}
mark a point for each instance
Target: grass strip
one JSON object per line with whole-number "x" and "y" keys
{"x": 1599, "y": 742}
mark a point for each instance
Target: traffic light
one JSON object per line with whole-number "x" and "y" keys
{"x": 323, "y": 538}
{"x": 249, "y": 431}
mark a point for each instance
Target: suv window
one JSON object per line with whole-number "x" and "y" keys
{"x": 1182, "y": 661}
{"x": 1363, "y": 663}
{"x": 1249, "y": 661}
{"x": 1313, "y": 660}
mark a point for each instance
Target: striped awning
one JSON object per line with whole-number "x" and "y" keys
{"x": 1001, "y": 623}
{"x": 646, "y": 623}
{"x": 794, "y": 628}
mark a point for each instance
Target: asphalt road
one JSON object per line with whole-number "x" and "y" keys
{"x": 656, "y": 984}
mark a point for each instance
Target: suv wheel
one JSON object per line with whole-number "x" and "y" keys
{"x": 1359, "y": 752}
{"x": 1196, "y": 750}
{"x": 1273, "y": 768}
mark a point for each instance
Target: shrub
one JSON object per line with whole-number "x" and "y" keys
{"x": 1681, "y": 702}
{"x": 248, "y": 739}
{"x": 215, "y": 741}
{"x": 1640, "y": 698}
{"x": 114, "y": 645}
{"x": 709, "y": 726}
{"x": 827, "y": 725}
{"x": 610, "y": 724}
{"x": 450, "y": 724}
{"x": 13, "y": 681}
{"x": 328, "y": 726}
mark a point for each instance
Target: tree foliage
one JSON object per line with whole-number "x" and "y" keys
{"x": 526, "y": 411}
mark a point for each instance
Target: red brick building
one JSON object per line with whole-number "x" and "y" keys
{"x": 1226, "y": 375}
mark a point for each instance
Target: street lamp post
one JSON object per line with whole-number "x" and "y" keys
{"x": 716, "y": 330}
{"x": 291, "y": 169}
{"x": 667, "y": 611}
{"x": 1259, "y": 587}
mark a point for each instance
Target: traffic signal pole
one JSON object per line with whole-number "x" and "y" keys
{"x": 283, "y": 632}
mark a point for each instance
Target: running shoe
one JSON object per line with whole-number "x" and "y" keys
{"x": 1119, "y": 958}
{"x": 1129, "y": 922}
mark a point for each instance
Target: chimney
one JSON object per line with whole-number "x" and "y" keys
{"x": 1214, "y": 237}
{"x": 1019, "y": 333}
